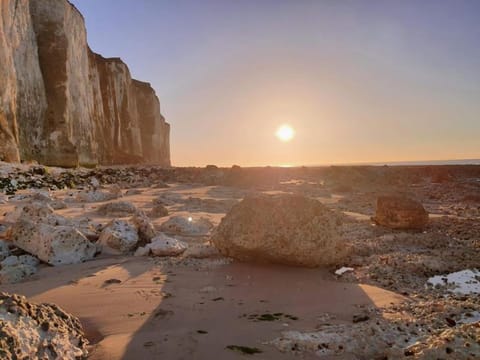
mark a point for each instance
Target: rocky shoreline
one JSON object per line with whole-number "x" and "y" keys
{"x": 171, "y": 220}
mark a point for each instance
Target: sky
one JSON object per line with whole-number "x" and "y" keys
{"x": 357, "y": 80}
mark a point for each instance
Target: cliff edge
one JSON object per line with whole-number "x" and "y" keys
{"x": 62, "y": 104}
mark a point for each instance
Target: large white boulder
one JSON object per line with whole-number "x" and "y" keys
{"x": 119, "y": 237}
{"x": 55, "y": 245}
{"x": 287, "y": 229}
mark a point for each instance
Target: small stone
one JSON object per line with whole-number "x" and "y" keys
{"x": 163, "y": 245}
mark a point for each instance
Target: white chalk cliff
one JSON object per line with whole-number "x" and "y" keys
{"x": 64, "y": 105}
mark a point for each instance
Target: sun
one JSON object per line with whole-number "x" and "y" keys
{"x": 285, "y": 133}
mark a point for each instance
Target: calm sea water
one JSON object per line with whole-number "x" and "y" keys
{"x": 407, "y": 163}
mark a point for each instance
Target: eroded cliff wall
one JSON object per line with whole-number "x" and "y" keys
{"x": 61, "y": 104}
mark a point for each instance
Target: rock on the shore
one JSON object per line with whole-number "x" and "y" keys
{"x": 43, "y": 331}
{"x": 201, "y": 251}
{"x": 287, "y": 229}
{"x": 55, "y": 245}
{"x": 38, "y": 212}
{"x": 163, "y": 245}
{"x": 399, "y": 212}
{"x": 117, "y": 209}
{"x": 16, "y": 268}
{"x": 95, "y": 196}
{"x": 146, "y": 230}
{"x": 119, "y": 237}
{"x": 188, "y": 226}
{"x": 158, "y": 211}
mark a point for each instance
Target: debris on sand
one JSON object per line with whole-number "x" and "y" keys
{"x": 343, "y": 270}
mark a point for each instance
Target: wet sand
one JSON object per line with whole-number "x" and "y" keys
{"x": 159, "y": 310}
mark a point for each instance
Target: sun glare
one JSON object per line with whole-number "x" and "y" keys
{"x": 285, "y": 133}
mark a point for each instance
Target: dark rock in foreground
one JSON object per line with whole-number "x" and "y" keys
{"x": 286, "y": 229}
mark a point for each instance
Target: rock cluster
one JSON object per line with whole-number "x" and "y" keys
{"x": 38, "y": 331}
{"x": 287, "y": 229}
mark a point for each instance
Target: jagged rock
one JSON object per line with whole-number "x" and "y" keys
{"x": 44, "y": 331}
{"x": 91, "y": 112}
{"x": 50, "y": 237}
{"x": 188, "y": 226}
{"x": 201, "y": 251}
{"x": 288, "y": 229}
{"x": 119, "y": 237}
{"x": 16, "y": 268}
{"x": 56, "y": 245}
{"x": 146, "y": 230}
{"x": 117, "y": 209}
{"x": 399, "y": 212}
{"x": 158, "y": 211}
{"x": 163, "y": 245}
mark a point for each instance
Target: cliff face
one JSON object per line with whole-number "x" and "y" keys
{"x": 61, "y": 104}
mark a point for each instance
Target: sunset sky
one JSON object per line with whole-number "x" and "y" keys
{"x": 358, "y": 81}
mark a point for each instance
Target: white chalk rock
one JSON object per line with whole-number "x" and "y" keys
{"x": 118, "y": 237}
{"x": 37, "y": 212}
{"x": 188, "y": 226}
{"x": 16, "y": 268}
{"x": 56, "y": 245}
{"x": 163, "y": 245}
